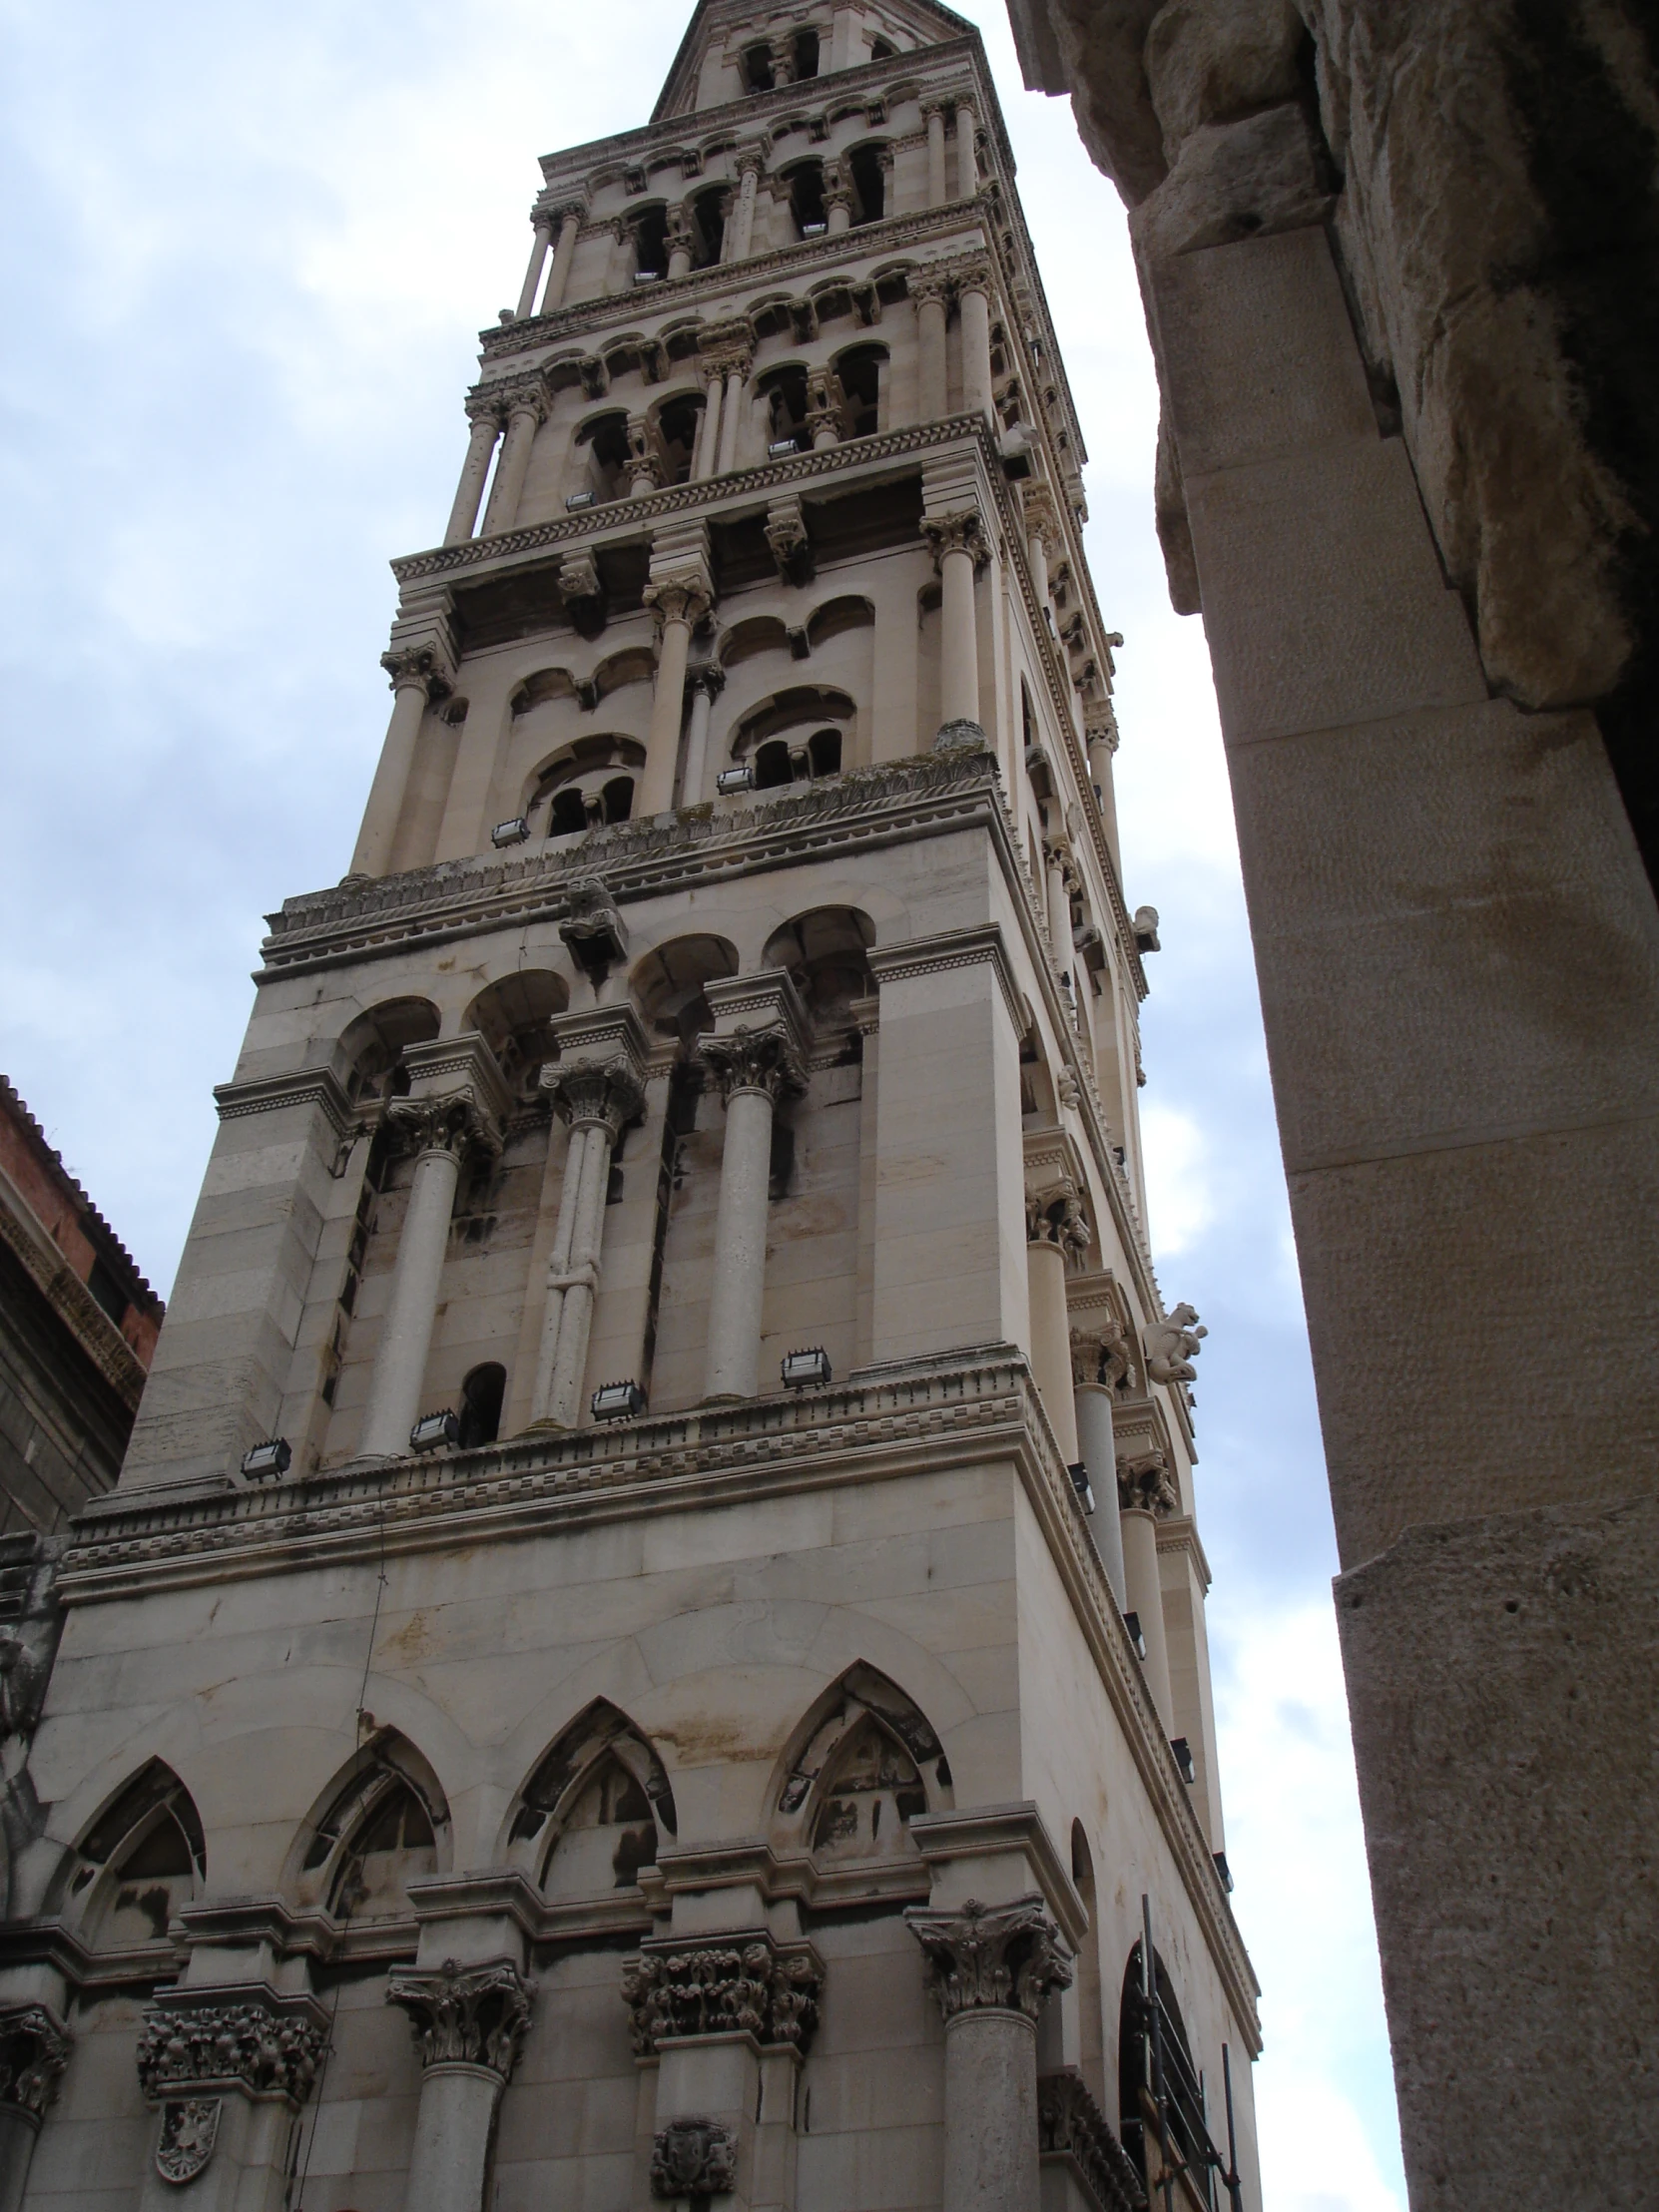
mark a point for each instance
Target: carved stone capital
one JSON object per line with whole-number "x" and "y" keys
{"x": 754, "y": 1060}
{"x": 456, "y": 1125}
{"x": 483, "y": 404}
{"x": 465, "y": 2015}
{"x": 1102, "y": 1355}
{"x": 593, "y": 931}
{"x": 417, "y": 665}
{"x": 720, "y": 1986}
{"x": 695, "y": 2159}
{"x": 787, "y": 535}
{"x": 1042, "y": 517}
{"x": 930, "y": 283}
{"x": 1055, "y": 1216}
{"x": 34, "y": 2050}
{"x": 1172, "y": 1344}
{"x": 595, "y": 1095}
{"x": 526, "y": 396}
{"x": 710, "y": 680}
{"x": 199, "y": 2043}
{"x": 972, "y": 273}
{"x": 960, "y": 532}
{"x": 1144, "y": 1485}
{"x": 681, "y": 596}
{"x": 991, "y": 1958}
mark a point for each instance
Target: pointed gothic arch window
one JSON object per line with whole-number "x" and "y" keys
{"x": 382, "y": 1826}
{"x": 866, "y": 1763}
{"x": 142, "y": 1859}
{"x": 595, "y": 1810}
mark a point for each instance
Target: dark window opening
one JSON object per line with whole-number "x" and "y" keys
{"x": 708, "y": 225}
{"x": 773, "y": 766}
{"x": 677, "y": 426}
{"x": 807, "y": 198}
{"x": 805, "y": 55}
{"x": 785, "y": 392}
{"x": 107, "y": 1292}
{"x": 614, "y": 1186}
{"x": 618, "y": 796}
{"x": 1183, "y": 2087}
{"x": 860, "y": 379}
{"x": 881, "y": 50}
{"x": 651, "y": 241}
{"x": 825, "y": 752}
{"x": 481, "y": 1395}
{"x": 870, "y": 182}
{"x": 604, "y": 445}
{"x": 569, "y": 814}
{"x": 757, "y": 69}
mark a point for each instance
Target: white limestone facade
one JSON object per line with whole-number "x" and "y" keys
{"x": 673, "y": 1780}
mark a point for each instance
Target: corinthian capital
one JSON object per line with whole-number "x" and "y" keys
{"x": 754, "y": 1060}
{"x": 1055, "y": 1216}
{"x": 720, "y": 1986}
{"x": 972, "y": 273}
{"x": 931, "y": 282}
{"x": 598, "y": 1095}
{"x": 991, "y": 1958}
{"x": 524, "y": 396}
{"x": 1144, "y": 1485}
{"x": 962, "y": 531}
{"x": 1042, "y": 517}
{"x": 418, "y": 666}
{"x": 249, "y": 2037}
{"x": 34, "y": 2050}
{"x": 465, "y": 2015}
{"x": 1103, "y": 1356}
{"x": 456, "y": 1125}
{"x": 683, "y": 596}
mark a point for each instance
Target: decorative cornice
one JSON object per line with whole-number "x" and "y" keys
{"x": 977, "y": 946}
{"x": 272, "y": 1094}
{"x": 63, "y": 1290}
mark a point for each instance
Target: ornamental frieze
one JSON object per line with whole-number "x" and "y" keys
{"x": 747, "y": 1987}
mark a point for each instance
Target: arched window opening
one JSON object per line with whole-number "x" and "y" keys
{"x": 569, "y": 816}
{"x": 882, "y": 48}
{"x": 1153, "y": 2052}
{"x": 678, "y": 423}
{"x": 394, "y": 1847}
{"x": 369, "y": 1053}
{"x": 784, "y": 391}
{"x": 650, "y": 227}
{"x": 616, "y": 798}
{"x": 515, "y": 1016}
{"x": 481, "y": 1397}
{"x": 602, "y": 457}
{"x": 805, "y": 182}
{"x": 870, "y": 1798}
{"x": 794, "y": 715}
{"x": 668, "y": 984}
{"x": 823, "y": 749}
{"x": 142, "y": 1860}
{"x": 867, "y": 1763}
{"x": 805, "y": 55}
{"x": 758, "y": 74}
{"x": 869, "y": 183}
{"x": 773, "y": 766}
{"x": 708, "y": 214}
{"x": 582, "y": 788}
{"x": 596, "y": 1809}
{"x": 826, "y": 952}
{"x": 861, "y": 372}
{"x": 385, "y": 1826}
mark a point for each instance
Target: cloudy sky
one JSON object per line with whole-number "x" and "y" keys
{"x": 247, "y": 254}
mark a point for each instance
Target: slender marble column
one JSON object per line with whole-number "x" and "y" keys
{"x": 596, "y": 1099}
{"x": 679, "y": 603}
{"x": 742, "y": 224}
{"x": 463, "y": 516}
{"x": 752, "y": 1068}
{"x": 414, "y": 673}
{"x": 968, "y": 164}
{"x": 526, "y": 411}
{"x": 538, "y": 259}
{"x": 1059, "y": 902}
{"x": 823, "y": 413}
{"x": 1147, "y": 1497}
{"x": 443, "y": 1131}
{"x": 958, "y": 541}
{"x": 730, "y": 416}
{"x": 928, "y": 289}
{"x": 973, "y": 296}
{"x": 706, "y": 686}
{"x": 990, "y": 1968}
{"x": 838, "y": 210}
{"x": 1093, "y": 1404}
{"x": 679, "y": 246}
{"x": 936, "y": 157}
{"x": 558, "y": 278}
{"x": 469, "y": 2025}
{"x": 708, "y": 435}
{"x": 1057, "y": 1232}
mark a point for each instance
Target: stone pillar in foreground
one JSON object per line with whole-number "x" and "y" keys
{"x": 679, "y": 594}
{"x": 227, "y": 2067}
{"x": 486, "y": 428}
{"x": 967, "y": 162}
{"x": 929, "y": 289}
{"x": 35, "y": 2047}
{"x": 1100, "y": 1358}
{"x": 1056, "y": 1235}
{"x": 959, "y": 542}
{"x": 973, "y": 305}
{"x": 527, "y": 412}
{"x": 558, "y": 278}
{"x": 705, "y": 686}
{"x": 454, "y": 1108}
{"x": 731, "y": 412}
{"x": 543, "y": 220}
{"x": 990, "y": 1968}
{"x": 469, "y": 2025}
{"x": 755, "y": 1057}
{"x": 597, "y": 1085}
{"x": 416, "y": 675}
{"x": 1146, "y": 1496}
{"x": 935, "y": 155}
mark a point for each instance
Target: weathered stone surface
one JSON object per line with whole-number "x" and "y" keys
{"x": 1211, "y": 61}
{"x": 1234, "y": 181}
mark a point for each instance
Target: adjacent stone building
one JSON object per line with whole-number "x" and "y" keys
{"x": 1401, "y": 266}
{"x": 660, "y": 1549}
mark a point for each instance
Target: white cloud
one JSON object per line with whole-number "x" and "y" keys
{"x": 1180, "y": 1204}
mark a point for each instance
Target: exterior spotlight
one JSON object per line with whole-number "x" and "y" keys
{"x": 271, "y": 1457}
{"x": 579, "y": 500}
{"x": 647, "y": 275}
{"x": 739, "y": 779}
{"x": 1183, "y": 1757}
{"x": 1224, "y": 1870}
{"x": 802, "y": 1369}
{"x": 1132, "y": 1621}
{"x": 433, "y": 1431}
{"x": 814, "y": 230}
{"x": 1080, "y": 1483}
{"x": 618, "y": 1402}
{"x": 510, "y": 832}
{"x": 779, "y": 447}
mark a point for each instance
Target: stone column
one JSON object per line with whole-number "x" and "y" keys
{"x": 558, "y": 279}
{"x": 417, "y": 678}
{"x": 543, "y": 220}
{"x": 935, "y": 155}
{"x": 1145, "y": 1498}
{"x": 838, "y": 204}
{"x": 1056, "y": 862}
{"x": 227, "y": 2067}
{"x": 705, "y": 685}
{"x": 527, "y": 412}
{"x": 731, "y": 412}
{"x": 929, "y": 289}
{"x": 597, "y": 1087}
{"x": 741, "y": 228}
{"x": 974, "y": 297}
{"x": 463, "y": 515}
{"x": 679, "y": 602}
{"x": 1099, "y": 1362}
{"x": 967, "y": 164}
{"x": 644, "y": 466}
{"x": 35, "y": 2047}
{"x": 1056, "y": 1233}
{"x": 441, "y": 1127}
{"x": 754, "y": 1066}
{"x": 822, "y": 411}
{"x": 990, "y": 1968}
{"x": 707, "y": 430}
{"x": 1042, "y": 536}
{"x": 959, "y": 542}
{"x": 469, "y": 2025}
{"x": 678, "y": 244}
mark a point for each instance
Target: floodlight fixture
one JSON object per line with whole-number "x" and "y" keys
{"x": 1183, "y": 1757}
{"x": 618, "y": 1402}
{"x": 1132, "y": 1622}
{"x": 510, "y": 832}
{"x": 1080, "y": 1483}
{"x": 731, "y": 779}
{"x": 580, "y": 499}
{"x": 435, "y": 1430}
{"x": 273, "y": 1457}
{"x": 800, "y": 1370}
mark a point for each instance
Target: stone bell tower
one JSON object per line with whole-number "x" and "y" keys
{"x": 659, "y": 1551}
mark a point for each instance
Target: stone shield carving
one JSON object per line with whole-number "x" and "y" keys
{"x": 693, "y": 2158}
{"x": 189, "y": 2129}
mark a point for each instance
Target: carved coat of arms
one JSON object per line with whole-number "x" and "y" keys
{"x": 189, "y": 2129}
{"x": 693, "y": 2158}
